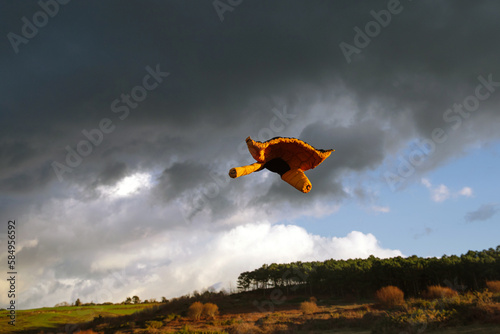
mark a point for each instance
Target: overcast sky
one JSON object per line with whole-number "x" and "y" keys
{"x": 120, "y": 121}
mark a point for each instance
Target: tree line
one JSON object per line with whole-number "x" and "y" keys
{"x": 362, "y": 277}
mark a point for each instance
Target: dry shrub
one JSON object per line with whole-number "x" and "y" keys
{"x": 308, "y": 307}
{"x": 437, "y": 292}
{"x": 210, "y": 310}
{"x": 195, "y": 310}
{"x": 154, "y": 324}
{"x": 275, "y": 328}
{"x": 87, "y": 331}
{"x": 484, "y": 297}
{"x": 244, "y": 328}
{"x": 390, "y": 296}
{"x": 493, "y": 286}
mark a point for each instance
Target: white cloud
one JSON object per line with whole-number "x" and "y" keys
{"x": 383, "y": 209}
{"x": 180, "y": 261}
{"x": 441, "y": 192}
{"x": 466, "y": 191}
{"x": 128, "y": 185}
{"x": 356, "y": 245}
{"x": 426, "y": 183}
{"x": 221, "y": 257}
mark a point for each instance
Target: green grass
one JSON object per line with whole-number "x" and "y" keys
{"x": 53, "y": 317}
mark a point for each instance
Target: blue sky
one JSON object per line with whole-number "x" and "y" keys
{"x": 417, "y": 223}
{"x": 122, "y": 121}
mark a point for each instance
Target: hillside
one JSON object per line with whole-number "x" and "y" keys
{"x": 451, "y": 294}
{"x": 259, "y": 312}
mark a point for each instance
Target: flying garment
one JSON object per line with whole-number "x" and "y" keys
{"x": 289, "y": 157}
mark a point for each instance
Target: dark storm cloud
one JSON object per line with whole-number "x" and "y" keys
{"x": 178, "y": 178}
{"x": 484, "y": 212}
{"x": 28, "y": 180}
{"x": 360, "y": 146}
{"x": 112, "y": 173}
{"x": 425, "y": 60}
{"x": 14, "y": 154}
{"x": 225, "y": 76}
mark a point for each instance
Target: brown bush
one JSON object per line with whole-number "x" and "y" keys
{"x": 210, "y": 310}
{"x": 493, "y": 286}
{"x": 390, "y": 296}
{"x": 437, "y": 292}
{"x": 244, "y": 328}
{"x": 195, "y": 310}
{"x": 276, "y": 328}
{"x": 153, "y": 324}
{"x": 483, "y": 297}
{"x": 308, "y": 307}
{"x": 87, "y": 331}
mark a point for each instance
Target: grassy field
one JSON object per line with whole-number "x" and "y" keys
{"x": 50, "y": 318}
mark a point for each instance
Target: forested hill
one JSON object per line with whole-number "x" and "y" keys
{"x": 362, "y": 277}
